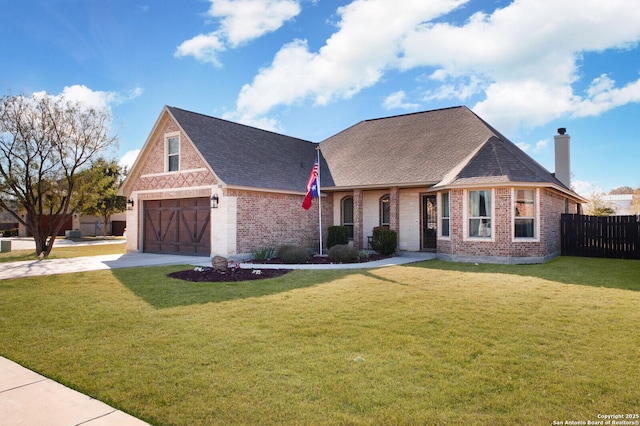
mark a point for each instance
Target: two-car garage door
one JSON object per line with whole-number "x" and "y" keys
{"x": 181, "y": 226}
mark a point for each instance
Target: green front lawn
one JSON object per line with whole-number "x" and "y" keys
{"x": 430, "y": 343}
{"x": 65, "y": 252}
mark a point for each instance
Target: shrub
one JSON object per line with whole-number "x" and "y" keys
{"x": 363, "y": 254}
{"x": 342, "y": 253}
{"x": 263, "y": 253}
{"x": 384, "y": 241}
{"x": 10, "y": 232}
{"x": 337, "y": 235}
{"x": 283, "y": 249}
{"x": 294, "y": 255}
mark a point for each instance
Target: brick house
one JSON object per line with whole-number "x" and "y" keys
{"x": 445, "y": 180}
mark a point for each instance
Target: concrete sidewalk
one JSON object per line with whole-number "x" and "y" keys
{"x": 29, "y": 399}
{"x": 32, "y": 268}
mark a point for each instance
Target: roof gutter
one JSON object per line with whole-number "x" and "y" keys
{"x": 378, "y": 186}
{"x": 559, "y": 188}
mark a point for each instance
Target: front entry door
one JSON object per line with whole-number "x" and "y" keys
{"x": 429, "y": 222}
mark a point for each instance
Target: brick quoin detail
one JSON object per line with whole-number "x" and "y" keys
{"x": 274, "y": 220}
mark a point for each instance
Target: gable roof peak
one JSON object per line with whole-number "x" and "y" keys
{"x": 246, "y": 156}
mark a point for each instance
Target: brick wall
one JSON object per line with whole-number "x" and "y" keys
{"x": 153, "y": 176}
{"x": 272, "y": 220}
{"x": 503, "y": 245}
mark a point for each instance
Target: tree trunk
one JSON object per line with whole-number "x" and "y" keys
{"x": 44, "y": 243}
{"x": 105, "y": 220}
{"x": 44, "y": 238}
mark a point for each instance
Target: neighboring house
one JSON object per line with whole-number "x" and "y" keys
{"x": 8, "y": 223}
{"x": 89, "y": 226}
{"x": 445, "y": 180}
{"x": 93, "y": 226}
{"x": 620, "y": 203}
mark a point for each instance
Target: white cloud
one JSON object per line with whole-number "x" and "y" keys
{"x": 396, "y": 100}
{"x": 353, "y": 58}
{"x": 523, "y": 59}
{"x": 528, "y": 58}
{"x": 462, "y": 89}
{"x": 541, "y": 145}
{"x": 203, "y": 47}
{"x": 93, "y": 98}
{"x": 602, "y": 96}
{"x": 245, "y": 20}
{"x": 129, "y": 158}
{"x": 240, "y": 22}
{"x": 586, "y": 189}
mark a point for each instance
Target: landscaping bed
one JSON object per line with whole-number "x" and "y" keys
{"x": 209, "y": 275}
{"x": 206, "y": 274}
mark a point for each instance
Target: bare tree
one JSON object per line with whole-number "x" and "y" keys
{"x": 44, "y": 143}
{"x": 635, "y": 202}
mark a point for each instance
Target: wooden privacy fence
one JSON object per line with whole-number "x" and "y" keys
{"x": 594, "y": 236}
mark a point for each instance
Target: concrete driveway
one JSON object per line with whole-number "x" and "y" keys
{"x": 30, "y": 268}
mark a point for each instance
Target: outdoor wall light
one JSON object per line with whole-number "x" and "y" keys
{"x": 129, "y": 204}
{"x": 214, "y": 201}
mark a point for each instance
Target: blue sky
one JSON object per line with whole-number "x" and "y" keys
{"x": 311, "y": 68}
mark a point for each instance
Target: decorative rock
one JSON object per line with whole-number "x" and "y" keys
{"x": 233, "y": 266}
{"x": 219, "y": 263}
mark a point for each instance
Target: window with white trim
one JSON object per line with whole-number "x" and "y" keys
{"x": 173, "y": 153}
{"x": 524, "y": 212}
{"x": 444, "y": 215}
{"x": 479, "y": 214}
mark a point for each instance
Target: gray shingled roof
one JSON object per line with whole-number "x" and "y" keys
{"x": 425, "y": 148}
{"x": 451, "y": 146}
{"x": 499, "y": 161}
{"x": 246, "y": 156}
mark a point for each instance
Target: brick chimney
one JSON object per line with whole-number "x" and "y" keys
{"x": 562, "y": 153}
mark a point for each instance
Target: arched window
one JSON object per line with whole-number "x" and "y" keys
{"x": 347, "y": 214}
{"x": 385, "y": 210}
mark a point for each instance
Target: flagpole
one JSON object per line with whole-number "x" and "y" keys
{"x": 319, "y": 197}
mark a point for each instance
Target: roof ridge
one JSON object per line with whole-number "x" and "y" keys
{"x": 414, "y": 113}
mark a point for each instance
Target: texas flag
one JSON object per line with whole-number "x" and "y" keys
{"x": 313, "y": 189}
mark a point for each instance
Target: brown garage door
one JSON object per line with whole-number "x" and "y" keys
{"x": 178, "y": 226}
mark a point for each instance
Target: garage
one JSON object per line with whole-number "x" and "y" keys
{"x": 179, "y": 226}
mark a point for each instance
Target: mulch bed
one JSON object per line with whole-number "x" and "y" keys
{"x": 248, "y": 274}
{"x": 209, "y": 275}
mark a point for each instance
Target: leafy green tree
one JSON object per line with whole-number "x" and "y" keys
{"x": 97, "y": 190}
{"x": 45, "y": 142}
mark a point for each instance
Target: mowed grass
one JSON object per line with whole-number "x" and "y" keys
{"x": 66, "y": 252}
{"x": 429, "y": 343}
